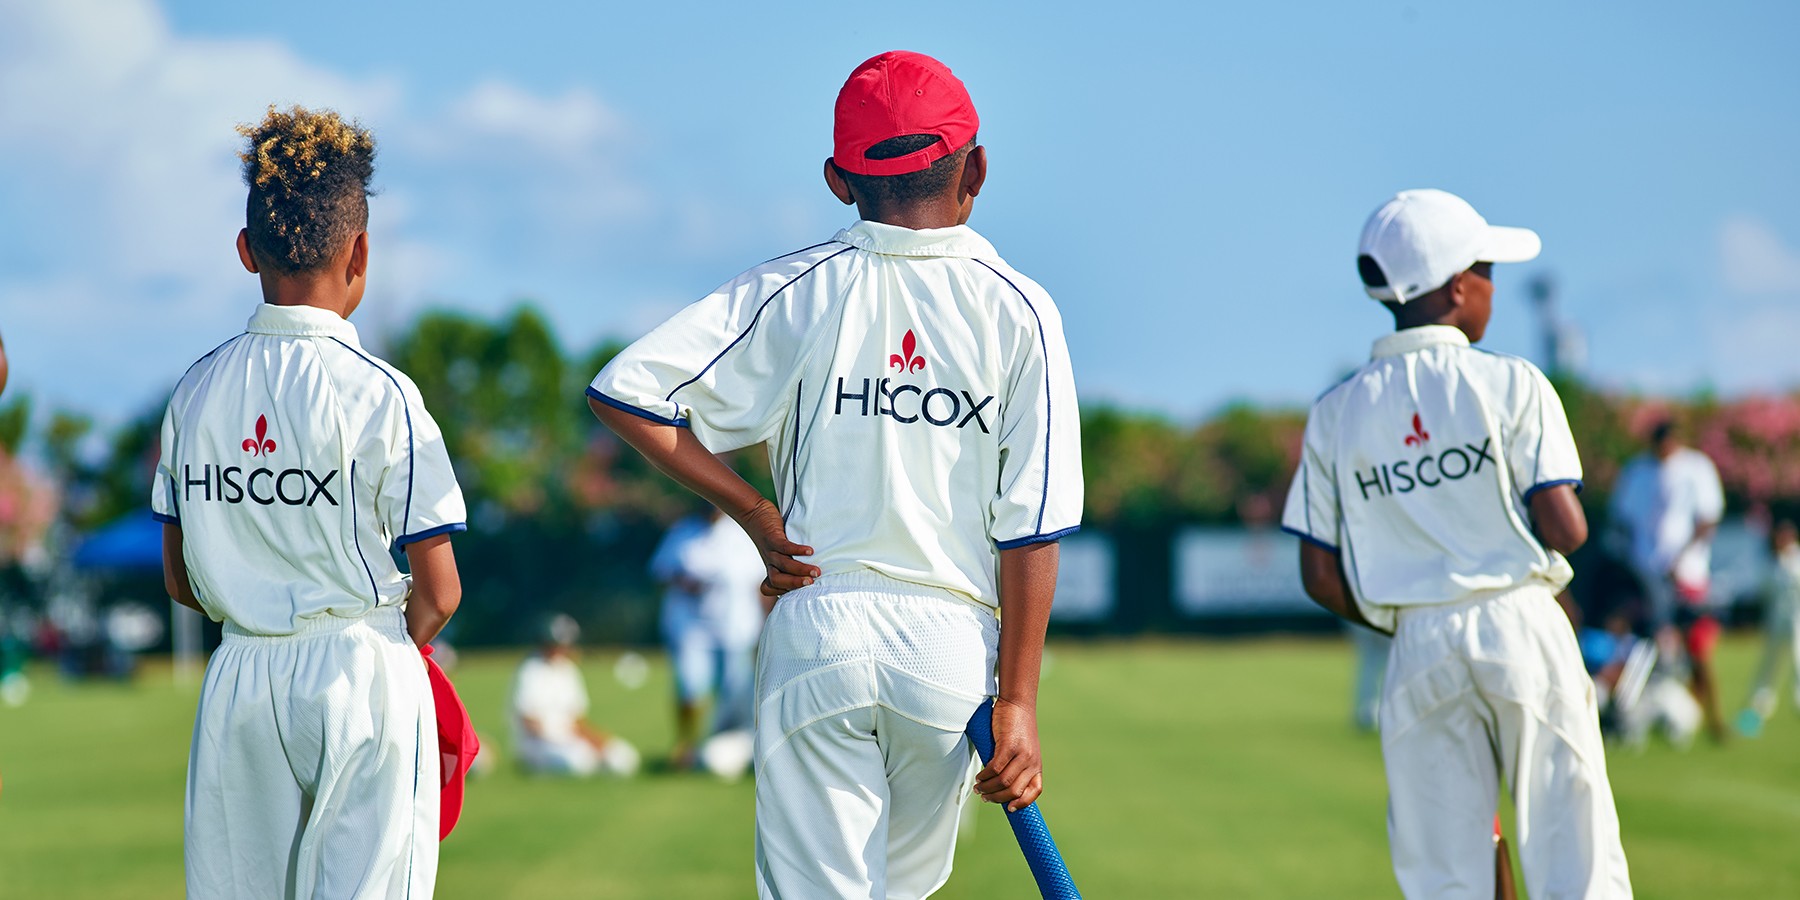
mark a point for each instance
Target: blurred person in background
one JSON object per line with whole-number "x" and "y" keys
{"x": 712, "y": 614}
{"x": 549, "y": 708}
{"x": 1666, "y": 507}
{"x": 1781, "y": 627}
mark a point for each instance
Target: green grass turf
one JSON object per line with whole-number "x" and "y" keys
{"x": 1175, "y": 769}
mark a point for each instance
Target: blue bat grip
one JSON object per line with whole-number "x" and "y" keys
{"x": 1028, "y": 826}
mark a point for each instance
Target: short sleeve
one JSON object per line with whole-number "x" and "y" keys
{"x": 1040, "y": 491}
{"x": 1540, "y": 447}
{"x": 1312, "y": 513}
{"x": 723, "y": 367}
{"x": 418, "y": 496}
{"x": 163, "y": 505}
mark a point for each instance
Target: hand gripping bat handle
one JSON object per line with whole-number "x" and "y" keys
{"x": 1028, "y": 826}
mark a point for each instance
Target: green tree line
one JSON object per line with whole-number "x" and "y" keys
{"x": 563, "y": 517}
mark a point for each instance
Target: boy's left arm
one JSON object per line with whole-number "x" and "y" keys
{"x": 1322, "y": 574}
{"x": 1014, "y": 775}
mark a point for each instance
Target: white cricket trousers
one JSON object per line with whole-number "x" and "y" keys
{"x": 865, "y": 685}
{"x": 314, "y": 768}
{"x": 1483, "y": 690}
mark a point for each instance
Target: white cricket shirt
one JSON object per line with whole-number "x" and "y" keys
{"x": 913, "y": 389}
{"x": 1418, "y": 469}
{"x": 1662, "y": 503}
{"x": 292, "y": 459}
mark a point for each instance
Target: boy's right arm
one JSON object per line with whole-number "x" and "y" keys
{"x": 676, "y": 452}
{"x": 175, "y": 573}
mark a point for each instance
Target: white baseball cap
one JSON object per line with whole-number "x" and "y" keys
{"x": 1419, "y": 240}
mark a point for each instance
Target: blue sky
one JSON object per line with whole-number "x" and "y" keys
{"x": 1187, "y": 180}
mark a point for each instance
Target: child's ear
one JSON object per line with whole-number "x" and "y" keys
{"x": 974, "y": 173}
{"x": 1458, "y": 295}
{"x": 840, "y": 187}
{"x": 244, "y": 256}
{"x": 358, "y": 265}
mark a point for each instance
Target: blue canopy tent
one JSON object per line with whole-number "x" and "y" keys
{"x": 130, "y": 544}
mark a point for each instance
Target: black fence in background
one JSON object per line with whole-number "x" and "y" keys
{"x": 1216, "y": 580}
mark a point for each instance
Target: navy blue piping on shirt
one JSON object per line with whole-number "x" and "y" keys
{"x": 1037, "y": 538}
{"x": 638, "y": 411}
{"x": 415, "y": 537}
{"x": 1309, "y": 539}
{"x": 1544, "y": 486}
{"x": 753, "y": 320}
{"x": 1043, "y": 345}
{"x": 797, "y": 252}
{"x": 165, "y": 519}
{"x": 406, "y": 407}
{"x": 356, "y": 538}
{"x": 794, "y": 454}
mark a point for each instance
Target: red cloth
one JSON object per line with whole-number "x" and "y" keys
{"x": 457, "y": 744}
{"x": 1702, "y": 637}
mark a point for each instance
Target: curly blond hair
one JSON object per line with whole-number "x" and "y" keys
{"x": 308, "y": 172}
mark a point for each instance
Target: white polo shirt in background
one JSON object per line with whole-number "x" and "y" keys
{"x": 292, "y": 459}
{"x": 914, "y": 390}
{"x": 1419, "y": 469}
{"x": 1662, "y": 503}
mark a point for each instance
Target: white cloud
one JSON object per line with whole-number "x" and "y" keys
{"x": 123, "y": 192}
{"x": 1752, "y": 325}
{"x": 1755, "y": 260}
{"x": 571, "y": 125}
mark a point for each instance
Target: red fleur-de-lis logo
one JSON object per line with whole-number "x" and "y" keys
{"x": 1419, "y": 435}
{"x": 905, "y": 361}
{"x": 260, "y": 445}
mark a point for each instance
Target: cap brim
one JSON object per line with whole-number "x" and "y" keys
{"x": 1508, "y": 245}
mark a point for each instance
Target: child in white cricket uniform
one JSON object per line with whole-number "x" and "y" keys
{"x": 1435, "y": 499}
{"x": 292, "y": 460}
{"x": 915, "y": 396}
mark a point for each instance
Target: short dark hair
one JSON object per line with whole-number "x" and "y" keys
{"x": 308, "y": 174}
{"x": 882, "y": 190}
{"x": 1662, "y": 430}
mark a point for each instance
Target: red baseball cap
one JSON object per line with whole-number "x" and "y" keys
{"x": 894, "y": 94}
{"x": 457, "y": 744}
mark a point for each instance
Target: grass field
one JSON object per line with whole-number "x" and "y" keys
{"x": 1175, "y": 769}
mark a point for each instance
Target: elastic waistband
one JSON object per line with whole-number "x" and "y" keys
{"x": 869, "y": 581}
{"x": 387, "y": 620}
{"x": 1464, "y": 602}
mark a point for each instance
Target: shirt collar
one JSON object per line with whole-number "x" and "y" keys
{"x": 1409, "y": 339}
{"x": 300, "y": 320}
{"x": 892, "y": 240}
